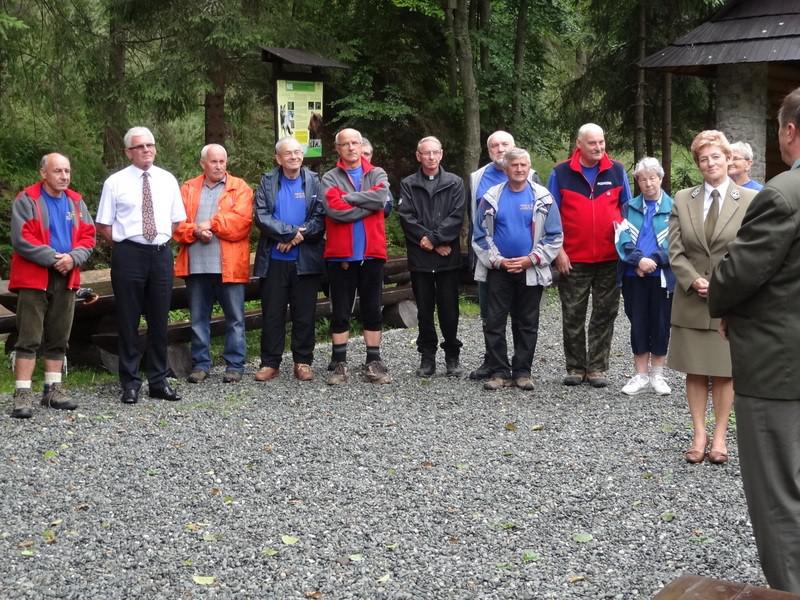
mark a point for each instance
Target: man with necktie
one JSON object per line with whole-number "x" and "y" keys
{"x": 139, "y": 209}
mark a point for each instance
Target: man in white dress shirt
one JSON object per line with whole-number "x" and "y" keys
{"x": 139, "y": 208}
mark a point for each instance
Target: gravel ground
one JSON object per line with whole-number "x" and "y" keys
{"x": 418, "y": 489}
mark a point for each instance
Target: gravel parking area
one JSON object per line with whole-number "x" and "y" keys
{"x": 417, "y": 489}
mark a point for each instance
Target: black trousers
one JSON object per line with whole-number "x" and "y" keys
{"x": 345, "y": 278}
{"x": 280, "y": 287}
{"x": 141, "y": 276}
{"x": 437, "y": 291}
{"x": 508, "y": 294}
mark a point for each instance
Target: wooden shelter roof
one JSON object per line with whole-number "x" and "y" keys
{"x": 299, "y": 57}
{"x": 742, "y": 31}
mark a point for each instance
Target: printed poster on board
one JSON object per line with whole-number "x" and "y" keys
{"x": 300, "y": 114}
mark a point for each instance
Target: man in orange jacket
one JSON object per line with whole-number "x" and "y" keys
{"x": 214, "y": 259}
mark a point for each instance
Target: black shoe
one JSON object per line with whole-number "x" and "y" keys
{"x": 427, "y": 366}
{"x": 165, "y": 393}
{"x": 130, "y": 395}
{"x": 454, "y": 368}
{"x": 482, "y": 372}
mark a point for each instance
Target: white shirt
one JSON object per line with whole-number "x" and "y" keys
{"x": 723, "y": 191}
{"x": 121, "y": 204}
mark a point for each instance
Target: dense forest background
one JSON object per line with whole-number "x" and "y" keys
{"x": 75, "y": 74}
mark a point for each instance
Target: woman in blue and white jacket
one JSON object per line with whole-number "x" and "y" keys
{"x": 646, "y": 277}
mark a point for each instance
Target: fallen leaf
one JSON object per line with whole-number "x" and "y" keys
{"x": 50, "y": 454}
{"x": 194, "y": 527}
{"x": 268, "y": 448}
{"x": 295, "y": 501}
{"x": 269, "y": 551}
{"x": 453, "y": 540}
{"x": 384, "y": 578}
{"x": 508, "y": 454}
{"x": 356, "y": 557}
{"x": 228, "y": 499}
{"x": 56, "y": 523}
{"x": 26, "y": 544}
{"x": 316, "y": 594}
{"x": 188, "y": 562}
{"x": 81, "y": 507}
{"x": 508, "y": 525}
{"x": 537, "y": 427}
{"x": 391, "y": 547}
{"x": 461, "y": 467}
{"x": 28, "y": 553}
{"x": 667, "y": 516}
{"x": 529, "y": 556}
{"x": 289, "y": 540}
{"x": 49, "y": 536}
{"x": 576, "y": 578}
{"x": 204, "y": 579}
{"x": 582, "y": 537}
{"x": 391, "y": 472}
{"x": 511, "y": 426}
{"x": 428, "y": 465}
{"x": 215, "y": 491}
{"x": 210, "y": 537}
{"x": 505, "y": 566}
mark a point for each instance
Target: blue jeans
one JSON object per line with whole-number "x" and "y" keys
{"x": 203, "y": 291}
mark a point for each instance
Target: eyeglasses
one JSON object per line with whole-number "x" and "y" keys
{"x": 430, "y": 153}
{"x": 143, "y": 147}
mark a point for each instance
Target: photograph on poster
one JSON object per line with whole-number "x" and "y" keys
{"x": 299, "y": 112}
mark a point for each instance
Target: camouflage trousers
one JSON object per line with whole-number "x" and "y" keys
{"x": 599, "y": 280}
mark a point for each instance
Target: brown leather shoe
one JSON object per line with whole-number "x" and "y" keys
{"x": 267, "y": 373}
{"x": 303, "y": 372}
{"x": 716, "y": 457}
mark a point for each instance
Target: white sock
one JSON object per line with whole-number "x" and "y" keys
{"x": 23, "y": 384}
{"x": 52, "y": 377}
{"x": 657, "y": 371}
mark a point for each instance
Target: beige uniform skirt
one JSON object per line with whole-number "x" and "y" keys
{"x": 699, "y": 352}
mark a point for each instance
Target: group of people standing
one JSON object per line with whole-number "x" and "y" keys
{"x": 716, "y": 262}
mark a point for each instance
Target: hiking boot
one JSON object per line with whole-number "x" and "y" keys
{"x": 496, "y": 382}
{"x": 376, "y": 372}
{"x": 524, "y": 383}
{"x": 597, "y": 379}
{"x": 339, "y": 374}
{"x": 573, "y": 378}
{"x": 23, "y": 403}
{"x": 231, "y": 377}
{"x": 427, "y": 366}
{"x": 454, "y": 368}
{"x": 197, "y": 376}
{"x": 54, "y": 396}
{"x": 482, "y": 372}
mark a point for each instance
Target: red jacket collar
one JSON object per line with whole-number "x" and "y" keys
{"x": 365, "y": 165}
{"x": 575, "y": 162}
{"x": 35, "y": 191}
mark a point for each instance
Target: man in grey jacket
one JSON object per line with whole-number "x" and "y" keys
{"x": 517, "y": 234}
{"x": 754, "y": 288}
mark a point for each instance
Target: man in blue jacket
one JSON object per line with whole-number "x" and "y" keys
{"x": 289, "y": 262}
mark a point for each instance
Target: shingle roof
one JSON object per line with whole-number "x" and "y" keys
{"x": 742, "y": 31}
{"x": 300, "y": 57}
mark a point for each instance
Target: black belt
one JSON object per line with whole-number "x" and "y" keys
{"x": 152, "y": 247}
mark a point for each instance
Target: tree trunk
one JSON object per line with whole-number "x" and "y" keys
{"x": 115, "y": 109}
{"x": 666, "y": 133}
{"x": 485, "y": 16}
{"x": 639, "y": 128}
{"x": 215, "y": 127}
{"x": 452, "y": 58}
{"x": 469, "y": 88}
{"x": 519, "y": 64}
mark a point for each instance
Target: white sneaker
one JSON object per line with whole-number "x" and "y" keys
{"x": 637, "y": 384}
{"x": 660, "y": 386}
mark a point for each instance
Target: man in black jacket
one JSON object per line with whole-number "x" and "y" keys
{"x": 431, "y": 211}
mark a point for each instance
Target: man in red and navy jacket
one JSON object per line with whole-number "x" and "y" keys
{"x": 356, "y": 197}
{"x": 590, "y": 190}
{"x": 52, "y": 235}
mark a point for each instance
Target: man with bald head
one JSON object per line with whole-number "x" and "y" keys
{"x": 590, "y": 190}
{"x": 52, "y": 236}
{"x": 356, "y": 197}
{"x": 214, "y": 259}
{"x": 480, "y": 181}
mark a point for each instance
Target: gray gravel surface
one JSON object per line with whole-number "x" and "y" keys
{"x": 418, "y": 489}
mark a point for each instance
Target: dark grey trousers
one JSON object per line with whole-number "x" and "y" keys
{"x": 768, "y": 432}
